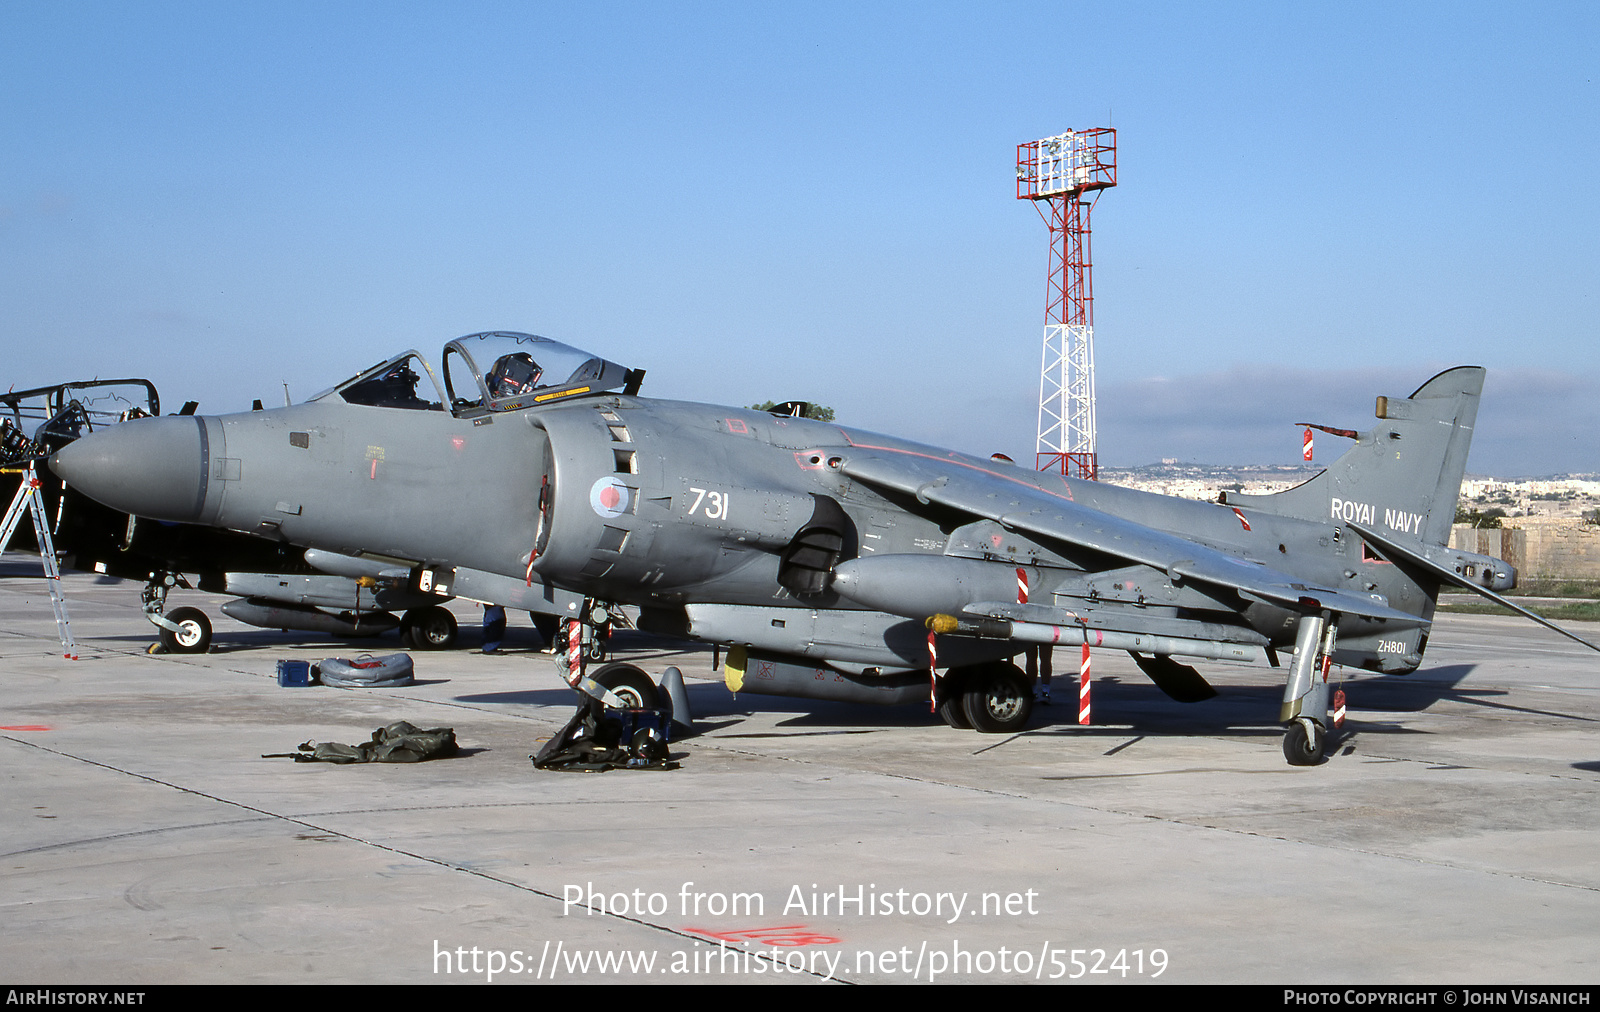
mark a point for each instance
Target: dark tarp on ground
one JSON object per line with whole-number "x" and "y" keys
{"x": 400, "y": 742}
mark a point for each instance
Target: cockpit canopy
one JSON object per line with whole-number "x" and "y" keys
{"x": 503, "y": 371}
{"x": 495, "y": 371}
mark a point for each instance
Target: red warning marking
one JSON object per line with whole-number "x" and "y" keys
{"x": 737, "y": 425}
{"x": 27, "y": 727}
{"x": 1307, "y": 451}
{"x": 1338, "y": 707}
{"x": 1083, "y": 687}
{"x": 1022, "y": 586}
{"x": 574, "y": 651}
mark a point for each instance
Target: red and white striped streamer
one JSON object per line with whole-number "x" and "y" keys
{"x": 1083, "y": 687}
{"x": 574, "y": 651}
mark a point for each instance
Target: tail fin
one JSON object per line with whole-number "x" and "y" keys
{"x": 1403, "y": 475}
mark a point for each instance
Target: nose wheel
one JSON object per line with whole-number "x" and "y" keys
{"x": 193, "y": 632}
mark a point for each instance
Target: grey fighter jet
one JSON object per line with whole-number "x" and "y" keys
{"x": 830, "y": 561}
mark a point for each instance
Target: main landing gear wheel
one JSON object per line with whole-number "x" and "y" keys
{"x": 630, "y": 684}
{"x": 1303, "y": 747}
{"x": 997, "y": 698}
{"x": 193, "y": 635}
{"x": 428, "y": 629}
{"x": 952, "y": 708}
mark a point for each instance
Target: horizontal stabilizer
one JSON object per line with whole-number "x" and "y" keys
{"x": 1397, "y": 551}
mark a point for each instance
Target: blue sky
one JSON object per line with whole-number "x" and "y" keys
{"x": 1317, "y": 203}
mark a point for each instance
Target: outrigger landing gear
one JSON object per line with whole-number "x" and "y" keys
{"x": 1305, "y": 697}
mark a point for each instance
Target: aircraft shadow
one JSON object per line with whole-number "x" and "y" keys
{"x": 714, "y": 707}
{"x": 1121, "y": 707}
{"x": 1246, "y": 710}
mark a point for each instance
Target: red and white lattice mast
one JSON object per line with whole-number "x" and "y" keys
{"x": 1067, "y": 172}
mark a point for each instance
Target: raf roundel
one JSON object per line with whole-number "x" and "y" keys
{"x": 609, "y": 497}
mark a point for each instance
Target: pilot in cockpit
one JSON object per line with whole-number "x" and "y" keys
{"x": 513, "y": 375}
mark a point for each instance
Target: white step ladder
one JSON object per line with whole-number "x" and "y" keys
{"x": 28, "y": 499}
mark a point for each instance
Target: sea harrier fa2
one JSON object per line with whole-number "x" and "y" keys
{"x": 829, "y": 561}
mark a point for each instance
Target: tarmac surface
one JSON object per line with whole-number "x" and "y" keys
{"x": 1450, "y": 838}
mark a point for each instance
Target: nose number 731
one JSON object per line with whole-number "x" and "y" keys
{"x": 716, "y": 504}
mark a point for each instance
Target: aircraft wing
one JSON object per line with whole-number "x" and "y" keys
{"x": 1021, "y": 506}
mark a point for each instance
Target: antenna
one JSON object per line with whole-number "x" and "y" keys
{"x": 1059, "y": 172}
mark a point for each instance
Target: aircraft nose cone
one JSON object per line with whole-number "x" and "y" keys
{"x": 150, "y": 467}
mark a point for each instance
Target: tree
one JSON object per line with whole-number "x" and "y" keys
{"x": 1487, "y": 519}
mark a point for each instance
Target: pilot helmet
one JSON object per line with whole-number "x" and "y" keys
{"x": 514, "y": 374}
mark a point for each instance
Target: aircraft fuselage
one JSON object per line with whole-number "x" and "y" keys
{"x": 662, "y": 504}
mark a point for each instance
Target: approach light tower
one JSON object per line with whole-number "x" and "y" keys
{"x": 1068, "y": 172}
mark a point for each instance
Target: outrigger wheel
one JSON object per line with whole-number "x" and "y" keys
{"x": 1304, "y": 742}
{"x": 1305, "y": 692}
